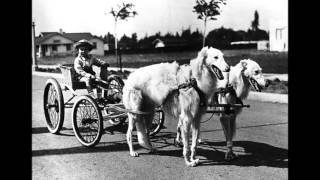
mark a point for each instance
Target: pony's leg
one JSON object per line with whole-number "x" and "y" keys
{"x": 143, "y": 134}
{"x": 228, "y": 125}
{"x": 131, "y": 123}
{"x": 185, "y": 139}
{"x": 195, "y": 127}
{"x": 177, "y": 141}
{"x": 185, "y": 132}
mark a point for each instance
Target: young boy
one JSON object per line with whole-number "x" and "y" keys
{"x": 83, "y": 65}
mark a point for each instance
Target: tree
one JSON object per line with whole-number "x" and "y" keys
{"x": 207, "y": 11}
{"x": 255, "y": 33}
{"x": 255, "y": 22}
{"x": 123, "y": 13}
{"x": 221, "y": 38}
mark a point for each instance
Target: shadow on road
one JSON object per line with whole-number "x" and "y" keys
{"x": 42, "y": 130}
{"x": 252, "y": 153}
{"x": 255, "y": 154}
{"x": 101, "y": 147}
{"x": 211, "y": 153}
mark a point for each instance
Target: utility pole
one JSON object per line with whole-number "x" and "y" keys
{"x": 34, "y": 56}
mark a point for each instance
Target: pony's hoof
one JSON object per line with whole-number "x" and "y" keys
{"x": 230, "y": 156}
{"x": 134, "y": 154}
{"x": 152, "y": 151}
{"x": 191, "y": 164}
{"x": 196, "y": 161}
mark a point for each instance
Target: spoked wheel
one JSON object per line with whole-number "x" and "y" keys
{"x": 87, "y": 121}
{"x": 53, "y": 106}
{"x": 114, "y": 93}
{"x": 157, "y": 122}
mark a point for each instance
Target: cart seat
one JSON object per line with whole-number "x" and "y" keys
{"x": 69, "y": 77}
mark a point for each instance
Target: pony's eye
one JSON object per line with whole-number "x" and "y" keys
{"x": 216, "y": 57}
{"x": 256, "y": 72}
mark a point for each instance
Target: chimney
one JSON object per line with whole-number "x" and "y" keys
{"x": 60, "y": 31}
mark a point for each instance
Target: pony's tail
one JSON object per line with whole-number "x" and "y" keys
{"x": 132, "y": 99}
{"x": 171, "y": 106}
{"x": 143, "y": 137}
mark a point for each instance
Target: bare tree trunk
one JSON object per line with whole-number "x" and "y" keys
{"x": 204, "y": 32}
{"x": 34, "y": 56}
{"x": 116, "y": 41}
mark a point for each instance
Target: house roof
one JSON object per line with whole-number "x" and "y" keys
{"x": 72, "y": 36}
{"x": 78, "y": 36}
{"x": 47, "y": 35}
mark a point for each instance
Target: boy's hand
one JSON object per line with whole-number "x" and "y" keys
{"x": 92, "y": 76}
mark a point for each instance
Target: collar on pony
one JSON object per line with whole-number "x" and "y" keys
{"x": 223, "y": 91}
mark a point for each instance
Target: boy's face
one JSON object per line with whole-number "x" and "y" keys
{"x": 83, "y": 51}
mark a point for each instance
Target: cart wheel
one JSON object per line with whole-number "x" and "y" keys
{"x": 114, "y": 93}
{"x": 53, "y": 105}
{"x": 157, "y": 122}
{"x": 87, "y": 121}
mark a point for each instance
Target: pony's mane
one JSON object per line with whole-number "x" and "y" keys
{"x": 239, "y": 82}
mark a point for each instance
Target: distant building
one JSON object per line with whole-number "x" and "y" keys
{"x": 61, "y": 43}
{"x": 158, "y": 43}
{"x": 169, "y": 42}
{"x": 260, "y": 45}
{"x": 278, "y": 35}
{"x": 263, "y": 45}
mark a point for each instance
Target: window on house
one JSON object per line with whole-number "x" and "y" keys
{"x": 56, "y": 41}
{"x": 94, "y": 45}
{"x": 278, "y": 33}
{"x": 68, "y": 47}
{"x": 54, "y": 47}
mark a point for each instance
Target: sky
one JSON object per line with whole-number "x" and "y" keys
{"x": 153, "y": 16}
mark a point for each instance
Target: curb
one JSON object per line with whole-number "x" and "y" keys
{"x": 257, "y": 96}
{"x": 268, "y": 97}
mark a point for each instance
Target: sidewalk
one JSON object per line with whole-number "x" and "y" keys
{"x": 257, "y": 96}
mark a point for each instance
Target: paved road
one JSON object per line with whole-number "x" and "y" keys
{"x": 261, "y": 143}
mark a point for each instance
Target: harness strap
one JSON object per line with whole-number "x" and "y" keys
{"x": 193, "y": 84}
{"x": 224, "y": 91}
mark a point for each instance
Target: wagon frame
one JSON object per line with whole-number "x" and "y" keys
{"x": 87, "y": 116}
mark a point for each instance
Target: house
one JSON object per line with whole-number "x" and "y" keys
{"x": 169, "y": 43}
{"x": 278, "y": 35}
{"x": 158, "y": 43}
{"x": 263, "y": 45}
{"x": 61, "y": 43}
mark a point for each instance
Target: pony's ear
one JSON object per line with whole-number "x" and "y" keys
{"x": 203, "y": 54}
{"x": 243, "y": 65}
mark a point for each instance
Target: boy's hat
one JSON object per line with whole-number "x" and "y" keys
{"x": 83, "y": 43}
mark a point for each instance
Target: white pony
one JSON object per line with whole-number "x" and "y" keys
{"x": 182, "y": 91}
{"x": 245, "y": 75}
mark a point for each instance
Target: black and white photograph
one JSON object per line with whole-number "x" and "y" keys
{"x": 159, "y": 89}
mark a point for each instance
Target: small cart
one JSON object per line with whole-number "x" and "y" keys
{"x": 88, "y": 113}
